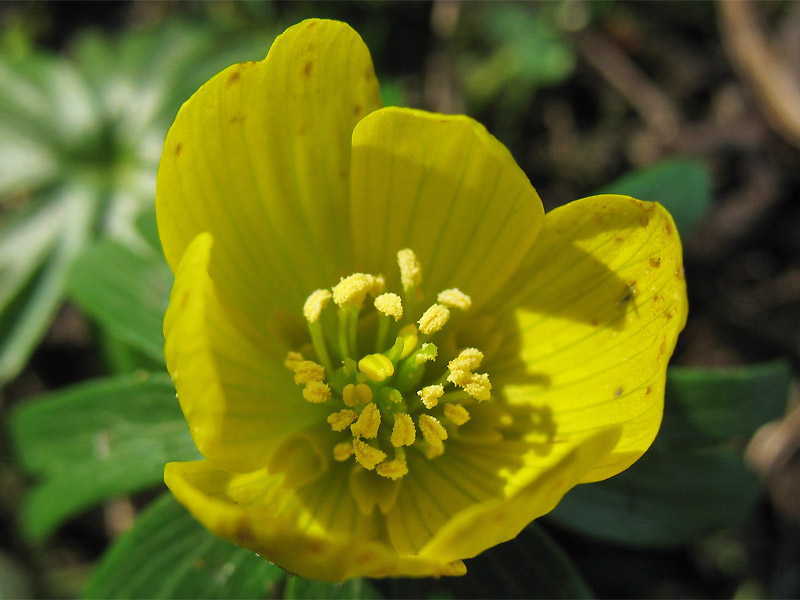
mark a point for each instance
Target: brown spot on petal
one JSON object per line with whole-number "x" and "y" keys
{"x": 232, "y": 78}
{"x": 357, "y": 109}
{"x": 619, "y": 240}
{"x": 668, "y": 228}
{"x": 644, "y": 220}
{"x": 662, "y": 348}
{"x": 618, "y": 392}
{"x": 648, "y": 391}
{"x": 655, "y": 262}
{"x": 309, "y": 68}
{"x": 178, "y": 148}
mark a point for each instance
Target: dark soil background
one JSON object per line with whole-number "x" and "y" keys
{"x": 716, "y": 81}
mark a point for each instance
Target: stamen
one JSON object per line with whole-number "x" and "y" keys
{"x": 410, "y": 269}
{"x": 376, "y": 366}
{"x": 432, "y": 429}
{"x": 307, "y": 371}
{"x": 456, "y": 413}
{"x": 403, "y": 433}
{"x": 367, "y": 456}
{"x": 368, "y": 423}
{"x": 343, "y": 451}
{"x": 430, "y": 395}
{"x": 378, "y": 285}
{"x": 454, "y": 298}
{"x": 351, "y": 290}
{"x": 427, "y": 352}
{"x": 390, "y": 305}
{"x": 468, "y": 359}
{"x": 316, "y": 392}
{"x": 353, "y": 395}
{"x": 314, "y": 305}
{"x": 433, "y": 319}
{"x": 408, "y": 333}
{"x": 341, "y": 420}
{"x": 393, "y": 469}
{"x": 292, "y": 360}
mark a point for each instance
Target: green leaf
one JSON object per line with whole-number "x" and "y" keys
{"x": 693, "y": 480}
{"x": 125, "y": 291}
{"x": 94, "y": 441}
{"x": 36, "y": 250}
{"x": 298, "y": 588}
{"x": 682, "y": 185}
{"x": 167, "y": 554}
{"x": 718, "y": 404}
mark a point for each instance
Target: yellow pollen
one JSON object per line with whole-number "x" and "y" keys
{"x": 316, "y": 392}
{"x": 456, "y": 413}
{"x": 292, "y": 360}
{"x": 430, "y": 395}
{"x": 433, "y": 319}
{"x": 479, "y": 386}
{"x": 410, "y": 269}
{"x": 376, "y": 366}
{"x": 343, "y": 451}
{"x": 315, "y": 303}
{"x": 366, "y": 455}
{"x": 403, "y": 433}
{"x": 353, "y": 395}
{"x": 341, "y": 420}
{"x": 433, "y": 431}
{"x": 454, "y": 298}
{"x": 390, "y": 305}
{"x": 467, "y": 360}
{"x": 393, "y": 469}
{"x": 426, "y": 353}
{"x": 368, "y": 422}
{"x": 308, "y": 371}
{"x": 351, "y": 290}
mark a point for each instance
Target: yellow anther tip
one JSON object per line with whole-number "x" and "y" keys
{"x": 316, "y": 392}
{"x": 307, "y": 371}
{"x": 315, "y": 304}
{"x": 456, "y": 413}
{"x": 433, "y": 319}
{"x": 410, "y": 269}
{"x": 292, "y": 360}
{"x": 343, "y": 451}
{"x": 430, "y": 395}
{"x": 392, "y": 469}
{"x": 341, "y": 420}
{"x": 367, "y": 456}
{"x": 403, "y": 433}
{"x": 351, "y": 290}
{"x": 368, "y": 422}
{"x": 376, "y": 366}
{"x": 432, "y": 430}
{"x": 390, "y": 305}
{"x": 454, "y": 298}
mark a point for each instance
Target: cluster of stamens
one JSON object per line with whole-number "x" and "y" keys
{"x": 378, "y": 401}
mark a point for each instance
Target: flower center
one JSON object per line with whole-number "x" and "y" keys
{"x": 393, "y": 399}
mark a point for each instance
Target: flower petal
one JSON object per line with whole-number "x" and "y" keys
{"x": 238, "y": 398}
{"x": 259, "y": 157}
{"x": 599, "y": 305}
{"x": 316, "y": 531}
{"x": 444, "y": 187}
{"x": 532, "y": 492}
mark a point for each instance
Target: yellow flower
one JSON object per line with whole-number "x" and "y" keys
{"x": 389, "y": 356}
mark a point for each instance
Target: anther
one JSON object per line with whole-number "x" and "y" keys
{"x": 368, "y": 422}
{"x": 316, "y": 392}
{"x": 314, "y": 305}
{"x": 430, "y": 395}
{"x": 410, "y": 269}
{"x": 454, "y": 298}
{"x": 393, "y": 469}
{"x": 456, "y": 413}
{"x": 367, "y": 456}
{"x": 351, "y": 290}
{"x": 432, "y": 430}
{"x": 292, "y": 360}
{"x": 403, "y": 433}
{"x": 341, "y": 420}
{"x": 353, "y": 395}
{"x": 307, "y": 371}
{"x": 390, "y": 305}
{"x": 343, "y": 451}
{"x": 433, "y": 319}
